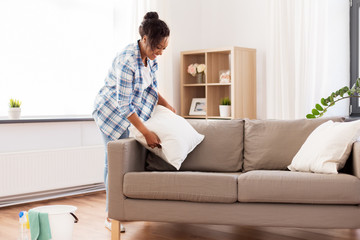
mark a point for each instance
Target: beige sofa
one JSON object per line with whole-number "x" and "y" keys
{"x": 238, "y": 175}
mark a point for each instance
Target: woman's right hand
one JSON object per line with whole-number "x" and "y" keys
{"x": 152, "y": 139}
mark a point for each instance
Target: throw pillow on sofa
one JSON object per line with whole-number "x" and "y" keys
{"x": 178, "y": 138}
{"x": 327, "y": 148}
{"x": 272, "y": 144}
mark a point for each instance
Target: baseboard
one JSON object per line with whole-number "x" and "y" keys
{"x": 50, "y": 194}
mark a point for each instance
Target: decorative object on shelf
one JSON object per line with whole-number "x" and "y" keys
{"x": 225, "y": 107}
{"x": 14, "y": 109}
{"x": 198, "y": 106}
{"x": 319, "y": 111}
{"x": 200, "y": 78}
{"x": 224, "y": 76}
{"x": 198, "y": 71}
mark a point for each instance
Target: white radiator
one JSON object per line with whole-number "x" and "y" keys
{"x": 23, "y": 174}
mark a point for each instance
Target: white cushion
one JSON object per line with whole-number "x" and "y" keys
{"x": 178, "y": 138}
{"x": 327, "y": 148}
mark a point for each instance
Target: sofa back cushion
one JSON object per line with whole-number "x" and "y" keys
{"x": 220, "y": 151}
{"x": 272, "y": 144}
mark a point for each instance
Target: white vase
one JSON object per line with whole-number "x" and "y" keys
{"x": 14, "y": 113}
{"x": 225, "y": 110}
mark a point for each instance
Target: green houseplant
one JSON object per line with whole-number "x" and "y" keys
{"x": 14, "y": 103}
{"x": 225, "y": 107}
{"x": 14, "y": 109}
{"x": 342, "y": 93}
{"x": 225, "y": 101}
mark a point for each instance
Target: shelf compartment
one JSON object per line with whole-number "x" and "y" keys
{"x": 189, "y": 93}
{"x": 216, "y": 62}
{"x": 215, "y": 94}
{"x": 191, "y": 58}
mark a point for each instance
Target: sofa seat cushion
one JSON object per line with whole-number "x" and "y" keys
{"x": 298, "y": 187}
{"x": 184, "y": 186}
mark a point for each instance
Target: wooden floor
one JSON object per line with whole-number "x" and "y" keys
{"x": 91, "y": 216}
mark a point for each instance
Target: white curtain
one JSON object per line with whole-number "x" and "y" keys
{"x": 307, "y": 56}
{"x": 55, "y": 54}
{"x": 128, "y": 16}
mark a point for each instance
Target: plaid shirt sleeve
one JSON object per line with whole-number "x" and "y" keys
{"x": 125, "y": 90}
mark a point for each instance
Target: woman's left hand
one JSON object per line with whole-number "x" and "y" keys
{"x": 164, "y": 103}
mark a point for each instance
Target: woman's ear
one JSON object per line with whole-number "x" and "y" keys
{"x": 144, "y": 39}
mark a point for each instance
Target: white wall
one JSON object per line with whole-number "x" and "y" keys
{"x": 207, "y": 24}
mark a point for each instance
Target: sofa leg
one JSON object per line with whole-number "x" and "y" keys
{"x": 115, "y": 230}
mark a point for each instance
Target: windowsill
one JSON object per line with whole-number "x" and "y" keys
{"x": 354, "y": 116}
{"x": 42, "y": 119}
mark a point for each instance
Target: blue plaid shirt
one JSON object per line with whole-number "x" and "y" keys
{"x": 123, "y": 93}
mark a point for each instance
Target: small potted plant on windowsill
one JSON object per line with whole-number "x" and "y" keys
{"x": 225, "y": 107}
{"x": 14, "y": 109}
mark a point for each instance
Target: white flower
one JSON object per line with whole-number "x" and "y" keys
{"x": 201, "y": 68}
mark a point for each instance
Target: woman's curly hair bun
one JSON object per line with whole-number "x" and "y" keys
{"x": 154, "y": 28}
{"x": 151, "y": 15}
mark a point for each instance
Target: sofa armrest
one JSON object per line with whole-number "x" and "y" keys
{"x": 124, "y": 155}
{"x": 356, "y": 159}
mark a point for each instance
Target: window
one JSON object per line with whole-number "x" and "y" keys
{"x": 54, "y": 55}
{"x": 354, "y": 52}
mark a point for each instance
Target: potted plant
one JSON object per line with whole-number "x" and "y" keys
{"x": 336, "y": 96}
{"x": 14, "y": 109}
{"x": 225, "y": 107}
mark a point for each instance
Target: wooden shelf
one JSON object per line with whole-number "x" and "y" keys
{"x": 206, "y": 84}
{"x": 194, "y": 116}
{"x": 241, "y": 62}
{"x": 218, "y": 84}
{"x": 218, "y": 117}
{"x": 195, "y": 85}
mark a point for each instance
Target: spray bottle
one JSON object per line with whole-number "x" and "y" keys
{"x": 24, "y": 226}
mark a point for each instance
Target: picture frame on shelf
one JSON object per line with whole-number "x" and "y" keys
{"x": 198, "y": 106}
